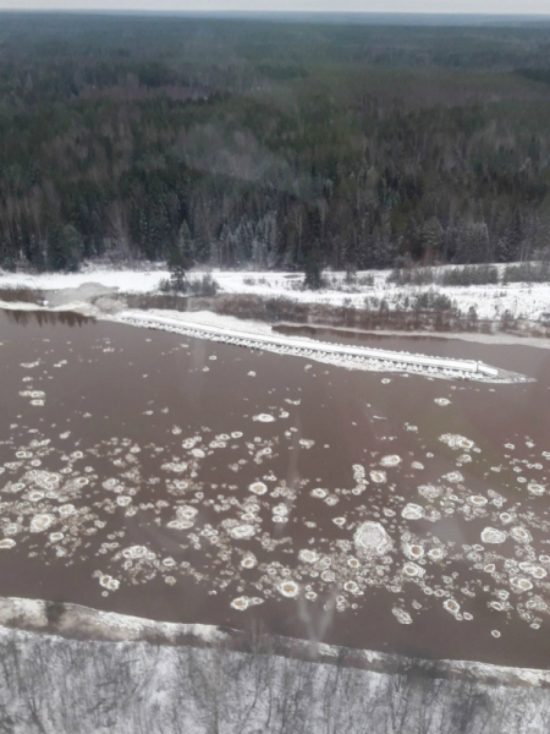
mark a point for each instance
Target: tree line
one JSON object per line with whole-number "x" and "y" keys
{"x": 271, "y": 145}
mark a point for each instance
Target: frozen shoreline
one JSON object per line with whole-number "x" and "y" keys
{"x": 100, "y": 293}
{"x": 73, "y": 621}
{"x": 350, "y": 357}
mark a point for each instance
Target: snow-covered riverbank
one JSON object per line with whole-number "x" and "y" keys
{"x": 521, "y": 300}
{"x": 58, "y": 685}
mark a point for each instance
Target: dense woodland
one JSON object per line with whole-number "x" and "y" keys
{"x": 263, "y": 143}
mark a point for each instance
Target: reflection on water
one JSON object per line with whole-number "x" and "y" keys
{"x": 43, "y": 318}
{"x": 185, "y": 480}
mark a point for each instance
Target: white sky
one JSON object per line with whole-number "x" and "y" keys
{"x": 498, "y": 7}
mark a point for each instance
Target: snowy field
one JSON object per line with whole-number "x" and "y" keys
{"x": 522, "y": 300}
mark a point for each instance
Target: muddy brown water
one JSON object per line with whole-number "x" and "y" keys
{"x": 127, "y": 458}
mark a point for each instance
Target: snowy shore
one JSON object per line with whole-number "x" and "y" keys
{"x": 521, "y": 300}
{"x": 60, "y": 685}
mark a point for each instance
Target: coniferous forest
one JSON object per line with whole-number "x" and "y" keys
{"x": 268, "y": 142}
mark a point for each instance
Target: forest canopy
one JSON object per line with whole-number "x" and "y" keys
{"x": 270, "y": 144}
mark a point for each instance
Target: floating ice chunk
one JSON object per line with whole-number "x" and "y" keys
{"x": 178, "y": 467}
{"x": 413, "y": 551}
{"x": 308, "y": 556}
{"x": 180, "y": 524}
{"x": 39, "y": 523}
{"x": 537, "y": 572}
{"x": 477, "y": 500}
{"x": 258, "y": 488}
{"x": 392, "y": 460}
{"x": 289, "y": 588}
{"x": 401, "y": 615}
{"x": 429, "y": 491}
{"x": 454, "y": 477}
{"x": 319, "y": 493}
{"x": 451, "y": 606}
{"x": 412, "y": 512}
{"x": 249, "y": 560}
{"x": 371, "y": 537}
{"x": 521, "y": 584}
{"x": 7, "y": 543}
{"x": 263, "y": 418}
{"x": 379, "y": 477}
{"x": 242, "y": 532}
{"x": 436, "y": 554}
{"x": 412, "y": 570}
{"x": 417, "y": 465}
{"x": 241, "y": 603}
{"x": 186, "y": 512}
{"x": 492, "y": 535}
{"x": 535, "y": 489}
{"x": 108, "y": 582}
{"x": 442, "y": 401}
{"x": 521, "y": 535}
{"x": 351, "y": 587}
{"x": 135, "y": 552}
{"x": 457, "y": 442}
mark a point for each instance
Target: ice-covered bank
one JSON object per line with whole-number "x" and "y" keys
{"x": 56, "y": 685}
{"x": 351, "y": 357}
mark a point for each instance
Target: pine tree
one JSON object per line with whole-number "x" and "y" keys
{"x": 312, "y": 266}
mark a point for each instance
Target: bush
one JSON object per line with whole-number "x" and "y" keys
{"x": 165, "y": 286}
{"x": 470, "y": 275}
{"x": 527, "y": 273}
{"x": 366, "y": 281}
{"x": 205, "y": 286}
{"x": 412, "y": 276}
{"x": 432, "y": 301}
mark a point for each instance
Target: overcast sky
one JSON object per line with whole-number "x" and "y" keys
{"x": 500, "y": 7}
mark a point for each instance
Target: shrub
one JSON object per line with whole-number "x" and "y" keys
{"x": 365, "y": 280}
{"x": 412, "y": 276}
{"x": 205, "y": 286}
{"x": 528, "y": 273}
{"x": 470, "y": 275}
{"x": 432, "y": 301}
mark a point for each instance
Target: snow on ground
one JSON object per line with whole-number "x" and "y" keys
{"x": 526, "y": 300}
{"x": 145, "y": 684}
{"x": 52, "y": 685}
{"x": 87, "y": 623}
{"x": 134, "y": 281}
